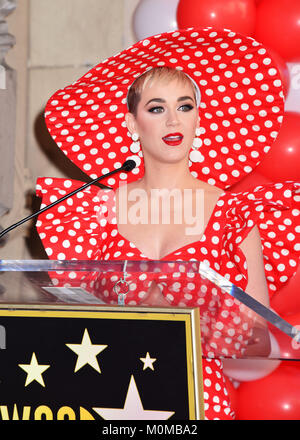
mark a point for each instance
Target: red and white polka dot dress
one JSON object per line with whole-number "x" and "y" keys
{"x": 85, "y": 227}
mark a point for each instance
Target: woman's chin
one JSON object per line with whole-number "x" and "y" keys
{"x": 171, "y": 155}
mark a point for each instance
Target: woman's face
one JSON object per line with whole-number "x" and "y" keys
{"x": 166, "y": 120}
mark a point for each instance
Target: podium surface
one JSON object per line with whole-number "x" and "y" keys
{"x": 65, "y": 353}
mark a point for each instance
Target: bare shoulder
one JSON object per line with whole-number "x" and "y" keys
{"x": 125, "y": 189}
{"x": 210, "y": 191}
{"x": 215, "y": 192}
{"x": 251, "y": 246}
{"x": 129, "y": 186}
{"x": 252, "y": 249}
{"x": 252, "y": 243}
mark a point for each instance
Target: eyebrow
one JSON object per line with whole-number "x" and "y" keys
{"x": 182, "y": 98}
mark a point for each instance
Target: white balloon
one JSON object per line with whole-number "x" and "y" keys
{"x": 153, "y": 17}
{"x": 245, "y": 370}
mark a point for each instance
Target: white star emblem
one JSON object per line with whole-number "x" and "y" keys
{"x": 86, "y": 352}
{"x": 133, "y": 408}
{"x": 34, "y": 371}
{"x": 148, "y": 362}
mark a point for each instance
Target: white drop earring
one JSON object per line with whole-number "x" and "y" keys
{"x": 195, "y": 155}
{"x": 135, "y": 146}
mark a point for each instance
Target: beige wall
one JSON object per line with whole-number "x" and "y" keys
{"x": 17, "y": 59}
{"x": 56, "y": 42}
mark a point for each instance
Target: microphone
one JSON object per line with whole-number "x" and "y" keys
{"x": 127, "y": 166}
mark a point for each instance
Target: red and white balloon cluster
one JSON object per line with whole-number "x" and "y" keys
{"x": 266, "y": 389}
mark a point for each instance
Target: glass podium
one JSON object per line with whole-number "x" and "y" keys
{"x": 75, "y": 343}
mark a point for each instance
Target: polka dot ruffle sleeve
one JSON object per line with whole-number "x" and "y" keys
{"x": 275, "y": 209}
{"x": 70, "y": 230}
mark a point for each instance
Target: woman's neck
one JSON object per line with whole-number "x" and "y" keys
{"x": 168, "y": 176}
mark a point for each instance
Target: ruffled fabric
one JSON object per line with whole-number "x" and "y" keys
{"x": 84, "y": 227}
{"x": 70, "y": 230}
{"x": 275, "y": 209}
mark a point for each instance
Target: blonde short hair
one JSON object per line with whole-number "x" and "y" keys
{"x": 165, "y": 74}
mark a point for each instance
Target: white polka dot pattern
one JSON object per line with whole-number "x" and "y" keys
{"x": 241, "y": 108}
{"x": 84, "y": 227}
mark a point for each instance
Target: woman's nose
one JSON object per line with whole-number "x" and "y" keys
{"x": 172, "y": 118}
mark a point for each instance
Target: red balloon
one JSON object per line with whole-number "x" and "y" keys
{"x": 274, "y": 397}
{"x": 287, "y": 300}
{"x": 289, "y": 348}
{"x": 250, "y": 181}
{"x": 278, "y": 27}
{"x": 282, "y": 161}
{"x": 237, "y": 15}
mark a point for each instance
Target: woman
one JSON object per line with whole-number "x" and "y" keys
{"x": 168, "y": 104}
{"x": 199, "y": 127}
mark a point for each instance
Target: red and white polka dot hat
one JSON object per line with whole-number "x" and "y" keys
{"x": 241, "y": 109}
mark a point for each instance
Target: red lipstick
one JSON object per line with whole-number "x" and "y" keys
{"x": 173, "y": 139}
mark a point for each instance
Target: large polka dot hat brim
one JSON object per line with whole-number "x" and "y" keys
{"x": 241, "y": 109}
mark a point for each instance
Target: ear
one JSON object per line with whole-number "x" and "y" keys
{"x": 130, "y": 123}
